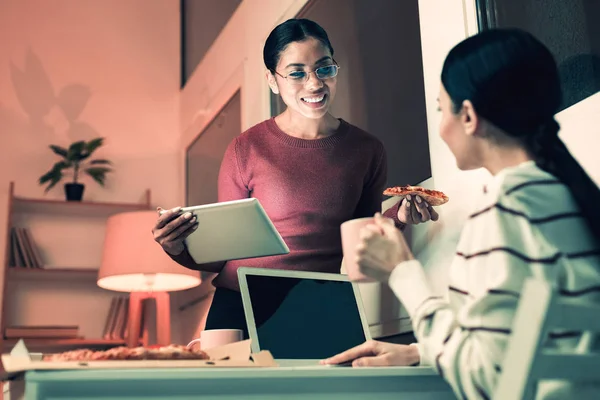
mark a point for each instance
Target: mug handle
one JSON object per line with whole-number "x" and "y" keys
{"x": 189, "y": 345}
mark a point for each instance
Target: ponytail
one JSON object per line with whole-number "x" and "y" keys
{"x": 551, "y": 155}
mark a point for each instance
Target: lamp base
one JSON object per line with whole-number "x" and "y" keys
{"x": 163, "y": 317}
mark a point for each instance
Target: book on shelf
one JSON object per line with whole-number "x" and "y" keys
{"x": 23, "y": 251}
{"x": 116, "y": 326}
{"x": 16, "y": 256}
{"x": 118, "y": 331}
{"x": 35, "y": 252}
{"x": 42, "y": 332}
{"x": 116, "y": 321}
{"x": 111, "y": 317}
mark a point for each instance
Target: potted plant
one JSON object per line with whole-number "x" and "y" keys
{"x": 76, "y": 157}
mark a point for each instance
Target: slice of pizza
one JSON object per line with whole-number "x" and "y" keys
{"x": 156, "y": 352}
{"x": 432, "y": 197}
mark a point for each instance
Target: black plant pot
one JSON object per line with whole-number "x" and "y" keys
{"x": 74, "y": 191}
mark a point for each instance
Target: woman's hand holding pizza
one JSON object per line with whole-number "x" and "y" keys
{"x": 414, "y": 210}
{"x": 416, "y": 203}
{"x": 381, "y": 248}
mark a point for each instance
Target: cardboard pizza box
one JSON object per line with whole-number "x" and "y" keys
{"x": 234, "y": 355}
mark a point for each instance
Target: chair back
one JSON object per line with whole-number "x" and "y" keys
{"x": 541, "y": 311}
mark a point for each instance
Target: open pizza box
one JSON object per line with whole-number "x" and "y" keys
{"x": 234, "y": 355}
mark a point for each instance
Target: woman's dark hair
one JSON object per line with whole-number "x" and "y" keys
{"x": 512, "y": 81}
{"x": 292, "y": 30}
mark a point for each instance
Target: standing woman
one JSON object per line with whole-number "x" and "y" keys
{"x": 539, "y": 217}
{"x": 310, "y": 171}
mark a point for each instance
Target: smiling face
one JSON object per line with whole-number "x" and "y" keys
{"x": 312, "y": 98}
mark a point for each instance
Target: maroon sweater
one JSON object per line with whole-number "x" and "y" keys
{"x": 307, "y": 187}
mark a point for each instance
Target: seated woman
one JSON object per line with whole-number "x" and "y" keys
{"x": 538, "y": 217}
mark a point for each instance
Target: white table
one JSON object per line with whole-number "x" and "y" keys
{"x": 292, "y": 383}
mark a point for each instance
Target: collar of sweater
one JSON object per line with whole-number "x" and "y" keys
{"x": 292, "y": 141}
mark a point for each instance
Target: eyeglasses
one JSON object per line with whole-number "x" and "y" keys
{"x": 300, "y": 77}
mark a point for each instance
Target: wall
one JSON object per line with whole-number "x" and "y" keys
{"x": 580, "y": 130}
{"x": 202, "y": 22}
{"x": 113, "y": 66}
{"x": 77, "y": 69}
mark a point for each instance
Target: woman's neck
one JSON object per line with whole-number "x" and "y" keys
{"x": 307, "y": 128}
{"x": 504, "y": 157}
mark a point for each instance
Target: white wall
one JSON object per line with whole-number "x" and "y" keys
{"x": 580, "y": 130}
{"x": 121, "y": 60}
{"x": 202, "y": 23}
{"x": 443, "y": 24}
{"x": 114, "y": 68}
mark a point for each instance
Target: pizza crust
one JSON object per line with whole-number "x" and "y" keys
{"x": 432, "y": 197}
{"x": 170, "y": 352}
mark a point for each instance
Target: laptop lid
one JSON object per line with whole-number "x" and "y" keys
{"x": 302, "y": 315}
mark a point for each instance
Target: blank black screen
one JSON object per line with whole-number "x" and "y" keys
{"x": 304, "y": 318}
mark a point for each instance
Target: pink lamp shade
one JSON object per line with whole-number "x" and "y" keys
{"x": 133, "y": 262}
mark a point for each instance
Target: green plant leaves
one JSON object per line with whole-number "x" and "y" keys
{"x": 54, "y": 175}
{"x": 98, "y": 173}
{"x": 77, "y": 153}
{"x": 93, "y": 145}
{"x": 61, "y": 151}
{"x": 96, "y": 162}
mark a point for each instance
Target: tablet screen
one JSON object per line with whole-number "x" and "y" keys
{"x": 233, "y": 230}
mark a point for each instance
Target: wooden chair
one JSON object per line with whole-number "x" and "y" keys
{"x": 540, "y": 311}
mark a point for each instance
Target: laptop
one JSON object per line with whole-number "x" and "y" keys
{"x": 302, "y": 317}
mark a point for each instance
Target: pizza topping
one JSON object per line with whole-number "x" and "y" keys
{"x": 170, "y": 352}
{"x": 432, "y": 197}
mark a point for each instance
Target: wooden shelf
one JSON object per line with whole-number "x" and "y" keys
{"x": 78, "y": 208}
{"x": 85, "y": 217}
{"x": 53, "y": 273}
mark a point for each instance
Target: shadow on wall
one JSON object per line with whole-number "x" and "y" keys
{"x": 51, "y": 115}
{"x": 580, "y": 78}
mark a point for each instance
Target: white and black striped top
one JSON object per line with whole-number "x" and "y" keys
{"x": 527, "y": 224}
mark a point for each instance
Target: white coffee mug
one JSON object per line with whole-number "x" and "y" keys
{"x": 350, "y": 231}
{"x": 217, "y": 337}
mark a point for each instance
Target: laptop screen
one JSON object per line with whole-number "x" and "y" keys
{"x": 299, "y": 318}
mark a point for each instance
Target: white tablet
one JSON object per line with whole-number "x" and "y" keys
{"x": 233, "y": 230}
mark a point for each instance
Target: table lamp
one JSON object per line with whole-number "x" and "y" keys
{"x": 133, "y": 262}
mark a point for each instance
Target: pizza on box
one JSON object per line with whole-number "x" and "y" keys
{"x": 170, "y": 352}
{"x": 432, "y": 197}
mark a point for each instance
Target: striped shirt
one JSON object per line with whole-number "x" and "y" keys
{"x": 526, "y": 224}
